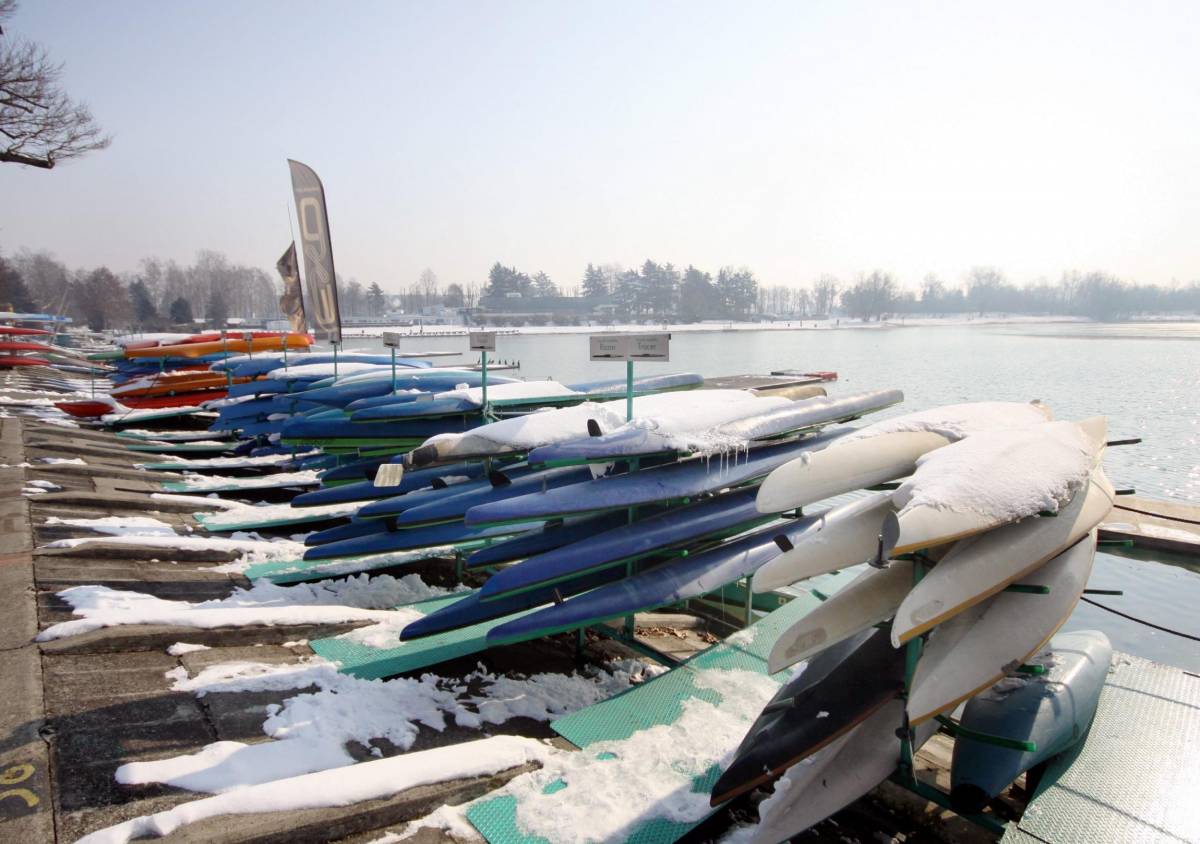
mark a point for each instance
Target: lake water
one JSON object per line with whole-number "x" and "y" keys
{"x": 1144, "y": 377}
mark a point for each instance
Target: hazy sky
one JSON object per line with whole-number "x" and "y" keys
{"x": 797, "y": 138}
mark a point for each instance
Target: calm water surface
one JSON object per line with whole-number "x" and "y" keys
{"x": 1144, "y": 377}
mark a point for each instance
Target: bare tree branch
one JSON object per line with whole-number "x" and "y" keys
{"x": 41, "y": 123}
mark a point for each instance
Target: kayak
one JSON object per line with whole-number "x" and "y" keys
{"x": 197, "y": 348}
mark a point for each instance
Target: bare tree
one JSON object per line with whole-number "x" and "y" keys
{"x": 39, "y": 124}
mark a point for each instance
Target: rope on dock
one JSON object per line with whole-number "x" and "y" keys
{"x": 1142, "y": 621}
{"x": 1157, "y": 515}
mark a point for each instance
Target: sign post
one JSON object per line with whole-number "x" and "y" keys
{"x": 483, "y": 342}
{"x": 630, "y": 348}
{"x": 391, "y": 339}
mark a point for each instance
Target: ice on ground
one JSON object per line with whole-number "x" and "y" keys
{"x": 956, "y": 421}
{"x": 360, "y": 598}
{"x": 181, "y": 648}
{"x": 118, "y": 525}
{"x": 48, "y": 486}
{"x": 1003, "y": 474}
{"x": 338, "y": 787}
{"x": 614, "y": 787}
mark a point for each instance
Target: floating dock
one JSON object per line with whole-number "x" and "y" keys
{"x": 1155, "y": 524}
{"x": 79, "y": 707}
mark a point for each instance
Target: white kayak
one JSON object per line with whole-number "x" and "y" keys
{"x": 843, "y": 536}
{"x": 869, "y": 599}
{"x": 843, "y": 468}
{"x": 976, "y": 648}
{"x": 674, "y": 413}
{"x": 835, "y": 776}
{"x": 993, "y": 478}
{"x": 956, "y": 421}
{"x": 979, "y": 567}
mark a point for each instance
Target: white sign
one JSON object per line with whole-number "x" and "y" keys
{"x": 391, "y": 339}
{"x": 630, "y": 347}
{"x": 482, "y": 341}
{"x": 389, "y": 474}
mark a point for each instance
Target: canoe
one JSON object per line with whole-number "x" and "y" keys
{"x": 383, "y": 541}
{"x": 842, "y": 536}
{"x": 871, "y": 598}
{"x": 441, "y": 478}
{"x": 690, "y": 526}
{"x": 14, "y": 360}
{"x": 14, "y": 331}
{"x": 854, "y": 464}
{"x": 835, "y": 777}
{"x": 801, "y": 416}
{"x": 451, "y": 506}
{"x": 270, "y": 342}
{"x": 839, "y": 689}
{"x": 22, "y": 346}
{"x": 188, "y": 399}
{"x": 977, "y": 647}
{"x": 668, "y": 583}
{"x": 979, "y": 567}
{"x": 994, "y": 478}
{"x": 686, "y": 479}
{"x": 1054, "y": 711}
{"x": 553, "y": 535}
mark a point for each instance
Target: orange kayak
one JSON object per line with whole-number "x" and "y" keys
{"x": 188, "y": 382}
{"x": 268, "y": 343}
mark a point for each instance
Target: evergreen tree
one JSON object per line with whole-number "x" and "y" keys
{"x": 376, "y": 302}
{"x": 13, "y": 291}
{"x": 594, "y": 283}
{"x": 144, "y": 312}
{"x": 181, "y": 311}
{"x": 543, "y": 286}
{"x": 697, "y": 296}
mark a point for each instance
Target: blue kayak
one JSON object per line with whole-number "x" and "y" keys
{"x": 552, "y": 536}
{"x": 471, "y": 610}
{"x": 672, "y": 482}
{"x": 668, "y": 583}
{"x": 348, "y": 394}
{"x": 452, "y": 507}
{"x": 367, "y": 491}
{"x": 687, "y": 525}
{"x": 387, "y": 541}
{"x": 801, "y": 416}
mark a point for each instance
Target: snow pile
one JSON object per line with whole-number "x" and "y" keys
{"x": 45, "y": 486}
{"x": 956, "y": 421}
{"x": 339, "y": 787}
{"x": 64, "y": 461}
{"x": 510, "y": 391}
{"x": 1004, "y": 474}
{"x": 264, "y": 460}
{"x": 327, "y": 602}
{"x": 671, "y": 416}
{"x": 614, "y": 787}
{"x": 199, "y": 482}
{"x": 326, "y": 370}
{"x": 119, "y": 525}
{"x": 277, "y": 513}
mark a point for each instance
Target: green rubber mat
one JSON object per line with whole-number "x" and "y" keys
{"x": 656, "y": 702}
{"x": 180, "y": 448}
{"x": 369, "y": 663}
{"x": 1135, "y": 776}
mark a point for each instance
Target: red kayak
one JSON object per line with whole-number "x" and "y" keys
{"x": 178, "y": 400}
{"x": 86, "y": 408}
{"x": 12, "y": 360}
{"x": 14, "y": 331}
{"x": 21, "y": 346}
